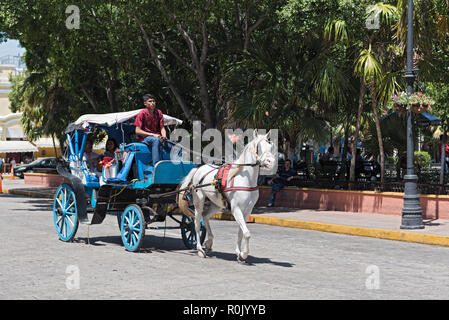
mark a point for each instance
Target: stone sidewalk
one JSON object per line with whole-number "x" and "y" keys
{"x": 435, "y": 232}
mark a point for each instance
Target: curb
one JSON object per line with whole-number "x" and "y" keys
{"x": 415, "y": 237}
{"x": 423, "y": 238}
{"x": 30, "y": 194}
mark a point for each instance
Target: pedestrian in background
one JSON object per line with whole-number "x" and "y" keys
{"x": 281, "y": 179}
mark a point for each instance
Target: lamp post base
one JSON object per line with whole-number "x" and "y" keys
{"x": 412, "y": 222}
{"x": 411, "y": 212}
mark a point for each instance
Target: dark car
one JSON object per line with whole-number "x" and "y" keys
{"x": 47, "y": 164}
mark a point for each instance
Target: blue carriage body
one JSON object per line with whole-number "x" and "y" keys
{"x": 134, "y": 170}
{"x": 130, "y": 185}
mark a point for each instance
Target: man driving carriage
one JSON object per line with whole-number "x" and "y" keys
{"x": 150, "y": 129}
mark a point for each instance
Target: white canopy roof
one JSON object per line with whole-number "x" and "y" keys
{"x": 109, "y": 119}
{"x": 17, "y": 146}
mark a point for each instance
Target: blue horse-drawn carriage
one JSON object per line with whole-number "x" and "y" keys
{"x": 128, "y": 185}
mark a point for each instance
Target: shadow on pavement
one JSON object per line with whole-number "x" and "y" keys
{"x": 150, "y": 243}
{"x": 36, "y": 205}
{"x": 251, "y": 261}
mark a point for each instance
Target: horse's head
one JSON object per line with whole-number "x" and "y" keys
{"x": 265, "y": 150}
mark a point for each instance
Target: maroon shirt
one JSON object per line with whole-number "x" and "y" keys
{"x": 152, "y": 123}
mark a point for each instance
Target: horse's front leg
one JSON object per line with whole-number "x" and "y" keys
{"x": 238, "y": 249}
{"x": 244, "y": 250}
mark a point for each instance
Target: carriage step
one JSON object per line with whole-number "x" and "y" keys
{"x": 163, "y": 228}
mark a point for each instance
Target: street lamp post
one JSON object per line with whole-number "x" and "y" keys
{"x": 411, "y": 211}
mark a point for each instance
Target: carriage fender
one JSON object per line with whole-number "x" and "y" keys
{"x": 78, "y": 189}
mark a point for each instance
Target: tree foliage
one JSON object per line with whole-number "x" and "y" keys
{"x": 311, "y": 68}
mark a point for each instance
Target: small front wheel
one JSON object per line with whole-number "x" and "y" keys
{"x": 132, "y": 227}
{"x": 65, "y": 213}
{"x": 188, "y": 232}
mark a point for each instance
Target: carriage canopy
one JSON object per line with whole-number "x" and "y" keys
{"x": 111, "y": 119}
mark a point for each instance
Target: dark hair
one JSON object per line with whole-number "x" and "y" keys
{"x": 288, "y": 160}
{"x": 148, "y": 96}
{"x": 113, "y": 140}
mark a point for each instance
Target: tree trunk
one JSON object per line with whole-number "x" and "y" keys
{"x": 111, "y": 93}
{"x": 344, "y": 161}
{"x": 152, "y": 51}
{"x": 90, "y": 98}
{"x": 54, "y": 145}
{"x": 356, "y": 134}
{"x": 204, "y": 97}
{"x": 199, "y": 60}
{"x": 374, "y": 104}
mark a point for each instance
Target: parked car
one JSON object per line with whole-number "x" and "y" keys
{"x": 48, "y": 164}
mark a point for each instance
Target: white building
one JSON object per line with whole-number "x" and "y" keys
{"x": 12, "y": 139}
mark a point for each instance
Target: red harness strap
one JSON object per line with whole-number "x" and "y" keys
{"x": 231, "y": 188}
{"x": 222, "y": 178}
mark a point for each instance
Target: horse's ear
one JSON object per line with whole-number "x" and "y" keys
{"x": 268, "y": 135}
{"x": 255, "y": 133}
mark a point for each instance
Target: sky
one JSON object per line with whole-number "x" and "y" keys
{"x": 11, "y": 47}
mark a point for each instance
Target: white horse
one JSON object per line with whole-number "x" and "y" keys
{"x": 240, "y": 190}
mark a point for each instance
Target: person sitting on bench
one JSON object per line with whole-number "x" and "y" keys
{"x": 281, "y": 179}
{"x": 91, "y": 158}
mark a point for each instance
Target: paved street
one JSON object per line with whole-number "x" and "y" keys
{"x": 284, "y": 263}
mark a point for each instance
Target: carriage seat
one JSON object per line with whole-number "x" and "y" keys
{"x": 142, "y": 151}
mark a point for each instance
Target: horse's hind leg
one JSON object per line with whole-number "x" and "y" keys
{"x": 206, "y": 216}
{"x": 199, "y": 204}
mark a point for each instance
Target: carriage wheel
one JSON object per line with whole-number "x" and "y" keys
{"x": 65, "y": 213}
{"x": 132, "y": 227}
{"x": 188, "y": 234}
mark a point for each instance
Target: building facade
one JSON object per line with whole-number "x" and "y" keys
{"x": 13, "y": 144}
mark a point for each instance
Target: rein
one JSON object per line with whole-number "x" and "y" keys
{"x": 226, "y": 163}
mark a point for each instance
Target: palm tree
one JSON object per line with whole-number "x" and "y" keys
{"x": 368, "y": 67}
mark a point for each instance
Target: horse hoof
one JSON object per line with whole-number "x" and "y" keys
{"x": 201, "y": 254}
{"x": 241, "y": 260}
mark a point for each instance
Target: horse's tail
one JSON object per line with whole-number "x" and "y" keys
{"x": 181, "y": 200}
